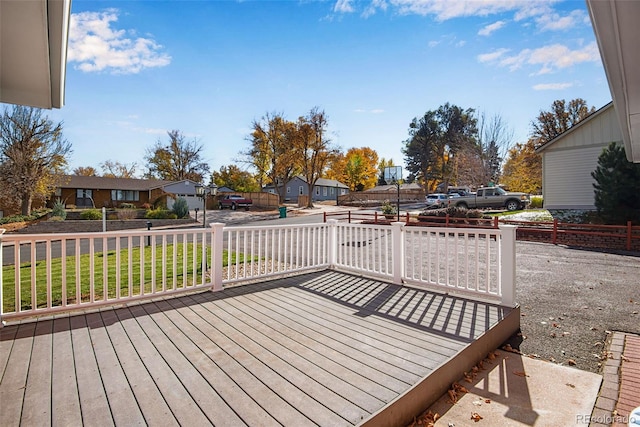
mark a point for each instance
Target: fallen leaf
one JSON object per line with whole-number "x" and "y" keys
{"x": 571, "y": 385}
{"x": 571, "y": 362}
{"x": 593, "y": 328}
{"x": 520, "y": 373}
{"x": 487, "y": 401}
{"x": 459, "y": 388}
{"x": 475, "y": 416}
{"x": 477, "y": 402}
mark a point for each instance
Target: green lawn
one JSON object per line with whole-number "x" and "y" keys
{"x": 100, "y": 283}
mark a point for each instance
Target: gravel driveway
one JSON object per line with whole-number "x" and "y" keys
{"x": 571, "y": 299}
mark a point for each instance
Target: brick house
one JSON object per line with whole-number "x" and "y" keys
{"x": 98, "y": 191}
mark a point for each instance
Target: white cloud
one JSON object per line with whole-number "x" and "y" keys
{"x": 447, "y": 9}
{"x": 373, "y": 7}
{"x": 492, "y": 56}
{"x": 488, "y": 29}
{"x": 434, "y": 43}
{"x": 95, "y": 46}
{"x": 377, "y": 111}
{"x": 549, "y": 58}
{"x": 552, "y": 86}
{"x": 343, "y": 6}
{"x": 555, "y": 22}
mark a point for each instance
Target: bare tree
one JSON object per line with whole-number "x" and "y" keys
{"x": 115, "y": 169}
{"x": 32, "y": 155}
{"x": 495, "y": 137}
{"x": 179, "y": 159}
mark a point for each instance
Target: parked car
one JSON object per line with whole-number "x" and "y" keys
{"x": 437, "y": 200}
{"x": 492, "y": 197}
{"x": 235, "y": 201}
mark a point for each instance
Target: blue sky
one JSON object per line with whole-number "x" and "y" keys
{"x": 137, "y": 69}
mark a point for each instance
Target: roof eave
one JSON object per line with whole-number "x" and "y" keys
{"x": 33, "y": 55}
{"x": 616, "y": 29}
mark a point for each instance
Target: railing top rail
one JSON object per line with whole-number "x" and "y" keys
{"x": 97, "y": 235}
{"x": 276, "y": 226}
{"x": 459, "y": 230}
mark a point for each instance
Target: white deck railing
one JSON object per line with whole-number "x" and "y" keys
{"x": 49, "y": 273}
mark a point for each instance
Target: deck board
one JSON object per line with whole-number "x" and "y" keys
{"x": 323, "y": 348}
{"x": 65, "y": 402}
{"x": 14, "y": 378}
{"x": 36, "y": 408}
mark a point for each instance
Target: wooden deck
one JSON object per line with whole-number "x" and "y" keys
{"x": 324, "y": 348}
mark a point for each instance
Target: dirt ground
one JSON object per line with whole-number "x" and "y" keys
{"x": 571, "y": 299}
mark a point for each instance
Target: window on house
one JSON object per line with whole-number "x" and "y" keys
{"x": 83, "y": 194}
{"x": 125, "y": 195}
{"x": 288, "y": 190}
{"x": 317, "y": 191}
{"x": 333, "y": 191}
{"x": 324, "y": 191}
{"x": 301, "y": 190}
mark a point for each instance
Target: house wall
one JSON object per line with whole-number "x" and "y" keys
{"x": 102, "y": 198}
{"x": 187, "y": 190}
{"x": 297, "y": 187}
{"x": 568, "y": 163}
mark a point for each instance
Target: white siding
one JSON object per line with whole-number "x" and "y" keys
{"x": 567, "y": 178}
{"x": 600, "y": 130}
{"x": 568, "y": 162}
{"x": 192, "y": 201}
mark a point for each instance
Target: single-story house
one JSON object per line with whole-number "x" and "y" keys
{"x": 325, "y": 189}
{"x": 99, "y": 191}
{"x": 569, "y": 159}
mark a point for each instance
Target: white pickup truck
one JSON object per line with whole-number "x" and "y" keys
{"x": 492, "y": 197}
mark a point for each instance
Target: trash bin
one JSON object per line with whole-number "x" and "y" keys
{"x": 283, "y": 211}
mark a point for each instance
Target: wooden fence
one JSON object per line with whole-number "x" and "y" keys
{"x": 260, "y": 200}
{"x": 626, "y": 237}
{"x": 374, "y": 198}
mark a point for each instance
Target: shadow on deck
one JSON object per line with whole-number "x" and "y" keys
{"x": 323, "y": 348}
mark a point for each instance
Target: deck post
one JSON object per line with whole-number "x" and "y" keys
{"x": 397, "y": 245}
{"x": 332, "y": 242}
{"x": 217, "y": 231}
{"x": 508, "y": 264}
{"x": 2, "y": 230}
